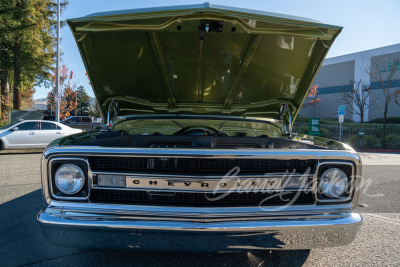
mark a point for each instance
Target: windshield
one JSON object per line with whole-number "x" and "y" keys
{"x": 8, "y": 125}
{"x": 177, "y": 125}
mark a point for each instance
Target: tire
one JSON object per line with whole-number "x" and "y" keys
{"x": 1, "y": 145}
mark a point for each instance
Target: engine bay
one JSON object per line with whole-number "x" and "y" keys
{"x": 194, "y": 138}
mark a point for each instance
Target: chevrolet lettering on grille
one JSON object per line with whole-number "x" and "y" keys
{"x": 204, "y": 184}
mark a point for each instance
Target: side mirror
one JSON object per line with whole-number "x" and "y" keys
{"x": 14, "y": 129}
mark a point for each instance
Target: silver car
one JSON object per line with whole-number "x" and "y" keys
{"x": 32, "y": 134}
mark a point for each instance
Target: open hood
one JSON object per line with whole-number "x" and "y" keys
{"x": 201, "y": 59}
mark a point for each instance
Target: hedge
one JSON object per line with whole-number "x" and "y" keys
{"x": 304, "y": 130}
{"x": 371, "y": 139}
{"x": 301, "y": 119}
{"x": 374, "y": 129}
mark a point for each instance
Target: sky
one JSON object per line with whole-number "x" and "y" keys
{"x": 368, "y": 24}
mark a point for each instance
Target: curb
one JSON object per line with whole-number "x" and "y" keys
{"x": 21, "y": 151}
{"x": 379, "y": 150}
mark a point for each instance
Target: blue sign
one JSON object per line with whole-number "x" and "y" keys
{"x": 341, "y": 110}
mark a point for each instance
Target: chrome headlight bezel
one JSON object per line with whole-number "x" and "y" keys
{"x": 348, "y": 169}
{"x": 55, "y": 192}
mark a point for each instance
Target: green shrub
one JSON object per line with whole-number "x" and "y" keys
{"x": 300, "y": 129}
{"x": 370, "y": 141}
{"x": 392, "y": 141}
{"x": 304, "y": 130}
{"x": 302, "y": 119}
{"x": 354, "y": 140}
{"x": 374, "y": 129}
{"x": 334, "y": 120}
{"x": 325, "y": 132}
{"x": 395, "y": 120}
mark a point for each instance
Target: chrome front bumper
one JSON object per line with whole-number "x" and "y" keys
{"x": 74, "y": 223}
{"x": 81, "y": 230}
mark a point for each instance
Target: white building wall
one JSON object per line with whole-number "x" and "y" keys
{"x": 362, "y": 62}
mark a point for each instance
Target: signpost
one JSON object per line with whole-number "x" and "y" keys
{"x": 314, "y": 126}
{"x": 57, "y": 98}
{"x": 361, "y": 133}
{"x": 341, "y": 113}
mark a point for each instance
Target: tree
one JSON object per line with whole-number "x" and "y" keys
{"x": 397, "y": 95}
{"x": 5, "y": 101}
{"x": 311, "y": 98}
{"x": 68, "y": 91}
{"x": 384, "y": 72}
{"x": 95, "y": 111}
{"x": 358, "y": 95}
{"x": 5, "y": 60}
{"x": 27, "y": 98}
{"x": 68, "y": 102}
{"x": 27, "y": 34}
{"x": 83, "y": 103}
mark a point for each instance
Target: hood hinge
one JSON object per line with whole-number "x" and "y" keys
{"x": 113, "y": 107}
{"x": 287, "y": 124}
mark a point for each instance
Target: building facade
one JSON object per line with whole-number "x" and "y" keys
{"x": 337, "y": 73}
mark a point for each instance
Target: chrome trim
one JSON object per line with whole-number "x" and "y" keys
{"x": 351, "y": 182}
{"x": 205, "y": 185}
{"x": 124, "y": 233}
{"x": 191, "y": 177}
{"x": 183, "y": 226}
{"x": 73, "y": 152}
{"x": 197, "y": 191}
{"x": 89, "y": 179}
{"x": 85, "y": 151}
{"x": 198, "y": 178}
{"x": 178, "y": 213}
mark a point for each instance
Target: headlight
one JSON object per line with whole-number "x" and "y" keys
{"x": 69, "y": 179}
{"x": 334, "y": 183}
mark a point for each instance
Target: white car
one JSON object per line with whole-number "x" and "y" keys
{"x": 32, "y": 134}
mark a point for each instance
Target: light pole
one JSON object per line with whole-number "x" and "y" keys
{"x": 57, "y": 96}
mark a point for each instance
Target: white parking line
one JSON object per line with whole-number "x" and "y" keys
{"x": 383, "y": 218}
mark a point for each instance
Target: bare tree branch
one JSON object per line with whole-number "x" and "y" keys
{"x": 391, "y": 70}
{"x": 357, "y": 98}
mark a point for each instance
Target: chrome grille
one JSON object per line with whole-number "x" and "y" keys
{"x": 199, "y": 199}
{"x": 195, "y": 166}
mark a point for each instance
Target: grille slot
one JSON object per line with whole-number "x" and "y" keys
{"x": 197, "y": 199}
{"x": 170, "y": 165}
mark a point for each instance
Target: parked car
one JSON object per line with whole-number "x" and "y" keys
{"x": 32, "y": 134}
{"x": 49, "y": 118}
{"x": 85, "y": 123}
{"x": 200, "y": 155}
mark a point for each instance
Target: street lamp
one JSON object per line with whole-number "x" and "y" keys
{"x": 76, "y": 99}
{"x": 57, "y": 94}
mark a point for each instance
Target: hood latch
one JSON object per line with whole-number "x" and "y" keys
{"x": 210, "y": 26}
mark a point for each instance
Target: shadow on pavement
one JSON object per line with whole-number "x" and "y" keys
{"x": 23, "y": 243}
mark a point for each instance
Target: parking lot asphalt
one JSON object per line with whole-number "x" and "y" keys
{"x": 23, "y": 243}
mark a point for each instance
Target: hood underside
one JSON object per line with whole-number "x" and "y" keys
{"x": 201, "y": 59}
